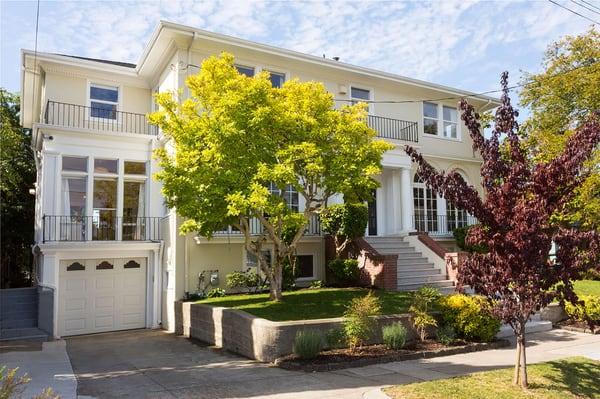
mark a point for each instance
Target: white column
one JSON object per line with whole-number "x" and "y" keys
{"x": 407, "y": 201}
{"x": 395, "y": 222}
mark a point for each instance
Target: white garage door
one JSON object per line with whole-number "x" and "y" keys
{"x": 98, "y": 295}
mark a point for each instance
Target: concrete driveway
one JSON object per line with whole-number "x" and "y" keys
{"x": 155, "y": 364}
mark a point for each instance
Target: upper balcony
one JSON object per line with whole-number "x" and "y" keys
{"x": 99, "y": 119}
{"x": 395, "y": 129}
{"x": 107, "y": 120}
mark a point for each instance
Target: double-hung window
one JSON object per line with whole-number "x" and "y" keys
{"x": 359, "y": 95}
{"x": 440, "y": 120}
{"x": 430, "y": 118}
{"x": 277, "y": 79}
{"x": 104, "y": 101}
{"x": 245, "y": 70}
{"x": 450, "y": 116}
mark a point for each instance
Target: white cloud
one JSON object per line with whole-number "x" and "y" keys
{"x": 457, "y": 42}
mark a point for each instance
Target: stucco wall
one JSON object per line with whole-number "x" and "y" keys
{"x": 228, "y": 255}
{"x": 257, "y": 338}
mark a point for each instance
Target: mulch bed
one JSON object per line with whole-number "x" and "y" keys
{"x": 337, "y": 359}
{"x": 578, "y": 326}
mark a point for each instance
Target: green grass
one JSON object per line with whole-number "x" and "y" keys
{"x": 309, "y": 304}
{"x": 575, "y": 377}
{"x": 587, "y": 287}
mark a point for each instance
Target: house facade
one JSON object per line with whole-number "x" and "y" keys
{"x": 108, "y": 252}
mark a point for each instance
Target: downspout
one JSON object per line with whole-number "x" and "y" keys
{"x": 159, "y": 280}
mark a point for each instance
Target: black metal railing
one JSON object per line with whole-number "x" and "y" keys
{"x": 98, "y": 228}
{"x": 441, "y": 224}
{"x": 83, "y": 117}
{"x": 395, "y": 129}
{"x": 312, "y": 229}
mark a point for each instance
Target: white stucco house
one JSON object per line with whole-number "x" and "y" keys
{"x": 108, "y": 252}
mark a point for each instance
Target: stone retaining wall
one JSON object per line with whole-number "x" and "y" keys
{"x": 254, "y": 337}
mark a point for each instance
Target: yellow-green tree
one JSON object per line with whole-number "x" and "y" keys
{"x": 561, "y": 98}
{"x": 237, "y": 144}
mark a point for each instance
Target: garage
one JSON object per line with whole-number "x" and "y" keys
{"x": 99, "y": 295}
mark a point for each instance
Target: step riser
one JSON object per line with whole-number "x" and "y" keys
{"x": 417, "y": 273}
{"x": 24, "y": 308}
{"x": 421, "y": 279}
{"x": 418, "y": 262}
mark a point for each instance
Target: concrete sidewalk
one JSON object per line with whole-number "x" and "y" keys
{"x": 46, "y": 363}
{"x": 156, "y": 364}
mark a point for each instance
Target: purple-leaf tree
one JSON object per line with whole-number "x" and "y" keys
{"x": 515, "y": 220}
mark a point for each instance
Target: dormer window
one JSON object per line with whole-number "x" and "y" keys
{"x": 104, "y": 101}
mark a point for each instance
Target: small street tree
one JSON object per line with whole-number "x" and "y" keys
{"x": 516, "y": 219}
{"x": 239, "y": 148}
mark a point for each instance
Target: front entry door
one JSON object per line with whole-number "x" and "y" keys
{"x": 372, "y": 207}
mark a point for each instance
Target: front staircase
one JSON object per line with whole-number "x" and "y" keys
{"x": 19, "y": 315}
{"x": 414, "y": 270}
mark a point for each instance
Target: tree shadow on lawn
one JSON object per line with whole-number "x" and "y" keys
{"x": 581, "y": 379}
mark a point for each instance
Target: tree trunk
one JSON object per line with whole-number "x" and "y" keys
{"x": 276, "y": 282}
{"x": 520, "y": 375}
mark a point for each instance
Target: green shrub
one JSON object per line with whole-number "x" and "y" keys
{"x": 423, "y": 301}
{"x": 215, "y": 292}
{"x": 308, "y": 344}
{"x": 243, "y": 280}
{"x": 359, "y": 324}
{"x": 590, "y": 309}
{"x": 317, "y": 284}
{"x": 345, "y": 220}
{"x": 446, "y": 334}
{"x": 336, "y": 338}
{"x": 345, "y": 271}
{"x": 394, "y": 336}
{"x": 590, "y": 274}
{"x": 470, "y": 316}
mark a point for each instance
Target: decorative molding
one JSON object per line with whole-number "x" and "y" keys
{"x": 131, "y": 265}
{"x": 104, "y": 265}
{"x": 75, "y": 266}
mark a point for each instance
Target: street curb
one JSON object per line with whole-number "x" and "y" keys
{"x": 375, "y": 394}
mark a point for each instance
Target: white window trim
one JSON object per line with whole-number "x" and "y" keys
{"x": 440, "y": 122}
{"x": 371, "y": 106}
{"x": 107, "y": 84}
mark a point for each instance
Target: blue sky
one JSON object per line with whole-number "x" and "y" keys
{"x": 465, "y": 44}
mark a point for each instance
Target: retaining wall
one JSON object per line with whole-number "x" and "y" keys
{"x": 254, "y": 337}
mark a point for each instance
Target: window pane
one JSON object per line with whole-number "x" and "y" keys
{"x": 103, "y": 110}
{"x": 105, "y": 194}
{"x": 73, "y": 190}
{"x": 74, "y": 164}
{"x": 430, "y": 126}
{"x": 134, "y": 198}
{"x": 430, "y": 110}
{"x": 450, "y": 114}
{"x": 450, "y": 130}
{"x": 277, "y": 79}
{"x": 304, "y": 265}
{"x": 104, "y": 93}
{"x": 106, "y": 165}
{"x": 244, "y": 70}
{"x": 135, "y": 168}
{"x": 361, "y": 94}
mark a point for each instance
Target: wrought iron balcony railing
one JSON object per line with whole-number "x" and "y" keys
{"x": 442, "y": 225}
{"x": 395, "y": 129}
{"x": 313, "y": 228}
{"x": 98, "y": 228}
{"x": 83, "y": 117}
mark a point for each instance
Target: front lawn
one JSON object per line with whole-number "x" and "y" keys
{"x": 587, "y": 287}
{"x": 309, "y": 304}
{"x": 575, "y": 377}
